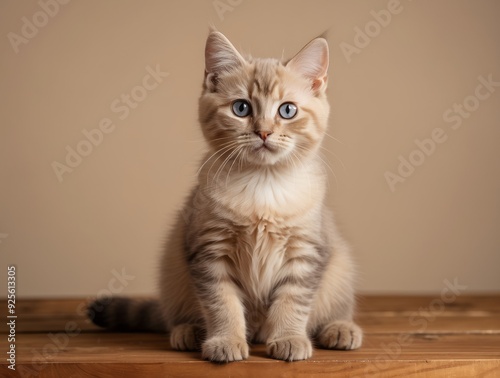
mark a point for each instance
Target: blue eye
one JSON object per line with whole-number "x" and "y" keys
{"x": 287, "y": 110}
{"x": 241, "y": 108}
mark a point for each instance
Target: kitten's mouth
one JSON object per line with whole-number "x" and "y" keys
{"x": 265, "y": 154}
{"x": 264, "y": 147}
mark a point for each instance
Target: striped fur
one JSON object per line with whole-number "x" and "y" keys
{"x": 255, "y": 255}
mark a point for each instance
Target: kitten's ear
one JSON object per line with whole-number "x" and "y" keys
{"x": 220, "y": 54}
{"x": 312, "y": 62}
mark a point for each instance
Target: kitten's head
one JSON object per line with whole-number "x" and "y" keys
{"x": 263, "y": 111}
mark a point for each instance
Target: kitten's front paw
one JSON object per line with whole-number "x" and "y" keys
{"x": 341, "y": 335}
{"x": 291, "y": 348}
{"x": 185, "y": 337}
{"x": 225, "y": 349}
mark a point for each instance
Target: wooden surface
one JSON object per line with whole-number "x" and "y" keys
{"x": 404, "y": 336}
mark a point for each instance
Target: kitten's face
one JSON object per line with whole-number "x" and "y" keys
{"x": 261, "y": 111}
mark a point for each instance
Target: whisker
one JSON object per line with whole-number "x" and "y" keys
{"x": 224, "y": 145}
{"x": 219, "y": 170}
{"x": 334, "y": 155}
{"x": 335, "y": 139}
{"x": 226, "y": 160}
{"x": 234, "y": 161}
{"x": 324, "y": 162}
{"x": 308, "y": 176}
{"x": 215, "y": 161}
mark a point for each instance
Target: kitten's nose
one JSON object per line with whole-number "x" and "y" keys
{"x": 263, "y": 134}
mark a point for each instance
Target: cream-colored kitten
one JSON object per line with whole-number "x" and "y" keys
{"x": 255, "y": 254}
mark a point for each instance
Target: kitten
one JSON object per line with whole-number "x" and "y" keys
{"x": 254, "y": 255}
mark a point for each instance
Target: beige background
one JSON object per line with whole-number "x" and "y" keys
{"x": 112, "y": 212}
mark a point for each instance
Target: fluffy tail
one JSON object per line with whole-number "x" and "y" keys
{"x": 125, "y": 314}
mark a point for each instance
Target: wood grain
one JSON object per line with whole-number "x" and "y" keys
{"x": 404, "y": 336}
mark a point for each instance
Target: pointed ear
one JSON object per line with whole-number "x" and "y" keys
{"x": 312, "y": 62}
{"x": 220, "y": 54}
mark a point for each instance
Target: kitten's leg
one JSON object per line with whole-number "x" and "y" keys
{"x": 222, "y": 309}
{"x": 292, "y": 297}
{"x": 332, "y": 318}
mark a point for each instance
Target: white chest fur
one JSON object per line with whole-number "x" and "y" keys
{"x": 270, "y": 195}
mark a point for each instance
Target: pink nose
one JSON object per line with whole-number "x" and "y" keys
{"x": 263, "y": 134}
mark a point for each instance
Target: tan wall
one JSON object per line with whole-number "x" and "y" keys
{"x": 112, "y": 211}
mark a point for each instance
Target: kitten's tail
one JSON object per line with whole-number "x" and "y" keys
{"x": 126, "y": 314}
